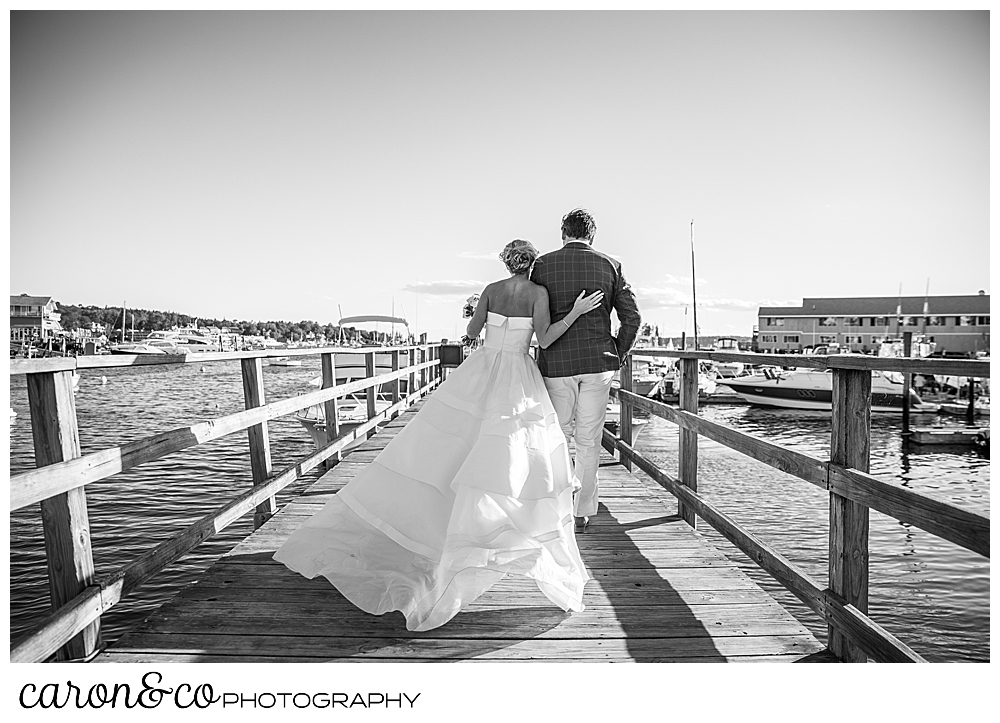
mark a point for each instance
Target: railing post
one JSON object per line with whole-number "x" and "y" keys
{"x": 907, "y": 381}
{"x": 423, "y": 372}
{"x": 849, "y": 447}
{"x": 413, "y": 377}
{"x": 65, "y": 522}
{"x": 370, "y": 372}
{"x": 625, "y": 409}
{"x": 688, "y": 369}
{"x": 260, "y": 446}
{"x": 330, "y": 406}
{"x": 395, "y": 382}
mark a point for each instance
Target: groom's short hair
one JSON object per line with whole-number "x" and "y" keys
{"x": 578, "y": 223}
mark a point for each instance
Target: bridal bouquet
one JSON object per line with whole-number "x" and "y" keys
{"x": 470, "y": 306}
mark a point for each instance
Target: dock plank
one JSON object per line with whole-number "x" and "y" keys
{"x": 660, "y": 592}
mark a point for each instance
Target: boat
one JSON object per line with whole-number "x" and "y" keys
{"x": 667, "y": 390}
{"x": 284, "y": 361}
{"x": 613, "y": 415}
{"x": 729, "y": 369}
{"x": 13, "y": 415}
{"x": 813, "y": 389}
{"x": 157, "y": 343}
{"x": 196, "y": 340}
{"x": 647, "y": 371}
{"x": 980, "y": 408}
{"x": 351, "y": 413}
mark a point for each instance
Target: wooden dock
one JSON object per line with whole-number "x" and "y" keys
{"x": 660, "y": 593}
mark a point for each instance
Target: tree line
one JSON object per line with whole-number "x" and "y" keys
{"x": 147, "y": 320}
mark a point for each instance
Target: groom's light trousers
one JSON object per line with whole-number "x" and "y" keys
{"x": 580, "y": 402}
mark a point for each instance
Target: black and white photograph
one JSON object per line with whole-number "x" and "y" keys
{"x": 480, "y": 335}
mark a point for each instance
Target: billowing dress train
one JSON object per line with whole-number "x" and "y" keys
{"x": 477, "y": 485}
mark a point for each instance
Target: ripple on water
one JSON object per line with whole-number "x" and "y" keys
{"x": 931, "y": 593}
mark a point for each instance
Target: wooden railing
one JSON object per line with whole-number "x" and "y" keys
{"x": 843, "y": 602}
{"x": 72, "y": 630}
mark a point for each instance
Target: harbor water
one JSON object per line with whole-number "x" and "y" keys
{"x": 931, "y": 593}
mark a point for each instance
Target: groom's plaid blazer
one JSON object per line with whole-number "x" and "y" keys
{"x": 588, "y": 346}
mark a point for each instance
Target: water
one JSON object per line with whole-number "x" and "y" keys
{"x": 133, "y": 511}
{"x": 931, "y": 593}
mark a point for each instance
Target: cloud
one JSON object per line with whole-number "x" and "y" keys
{"x": 665, "y": 298}
{"x": 480, "y": 256}
{"x": 671, "y": 279}
{"x": 445, "y": 288}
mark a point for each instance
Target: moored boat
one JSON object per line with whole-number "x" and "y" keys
{"x": 813, "y": 389}
{"x": 980, "y": 408}
{"x": 350, "y": 414}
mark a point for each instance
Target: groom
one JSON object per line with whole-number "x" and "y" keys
{"x": 578, "y": 366}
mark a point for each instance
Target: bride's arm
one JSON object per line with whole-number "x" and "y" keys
{"x": 548, "y": 332}
{"x": 478, "y": 320}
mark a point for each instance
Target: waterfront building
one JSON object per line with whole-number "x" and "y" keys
{"x": 33, "y": 317}
{"x": 955, "y": 324}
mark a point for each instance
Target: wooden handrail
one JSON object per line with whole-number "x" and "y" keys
{"x": 940, "y": 517}
{"x": 35, "y": 485}
{"x": 863, "y": 632}
{"x": 108, "y": 361}
{"x": 45, "y": 638}
{"x": 976, "y": 368}
{"x": 853, "y": 636}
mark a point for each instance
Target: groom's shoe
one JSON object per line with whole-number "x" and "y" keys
{"x": 581, "y": 523}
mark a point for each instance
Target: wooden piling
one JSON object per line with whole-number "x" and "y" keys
{"x": 370, "y": 392}
{"x": 688, "y": 369}
{"x": 907, "y": 382}
{"x": 625, "y": 410}
{"x": 329, "y": 366}
{"x": 848, "y": 543}
{"x": 260, "y": 446}
{"x": 65, "y": 522}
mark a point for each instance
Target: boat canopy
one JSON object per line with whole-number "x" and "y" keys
{"x": 377, "y": 319}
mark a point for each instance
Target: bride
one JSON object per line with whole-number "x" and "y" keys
{"x": 477, "y": 485}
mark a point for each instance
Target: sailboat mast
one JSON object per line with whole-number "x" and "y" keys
{"x": 694, "y": 296}
{"x": 927, "y": 294}
{"x": 899, "y": 312}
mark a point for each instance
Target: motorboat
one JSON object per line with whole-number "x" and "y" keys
{"x": 613, "y": 415}
{"x": 195, "y": 339}
{"x": 157, "y": 343}
{"x": 980, "y": 407}
{"x": 813, "y": 389}
{"x": 647, "y": 371}
{"x": 284, "y": 361}
{"x": 351, "y": 413}
{"x": 667, "y": 388}
{"x": 727, "y": 370}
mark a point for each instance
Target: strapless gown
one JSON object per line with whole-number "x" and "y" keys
{"x": 476, "y": 486}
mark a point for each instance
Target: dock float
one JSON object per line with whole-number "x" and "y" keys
{"x": 660, "y": 593}
{"x": 949, "y": 435}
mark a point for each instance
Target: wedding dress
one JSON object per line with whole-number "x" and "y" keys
{"x": 477, "y": 485}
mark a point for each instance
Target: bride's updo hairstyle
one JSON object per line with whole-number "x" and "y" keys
{"x": 518, "y": 256}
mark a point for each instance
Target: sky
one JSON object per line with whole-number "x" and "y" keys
{"x": 309, "y": 165}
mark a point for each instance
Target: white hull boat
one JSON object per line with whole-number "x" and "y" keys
{"x": 350, "y": 415}
{"x": 981, "y": 408}
{"x": 813, "y": 389}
